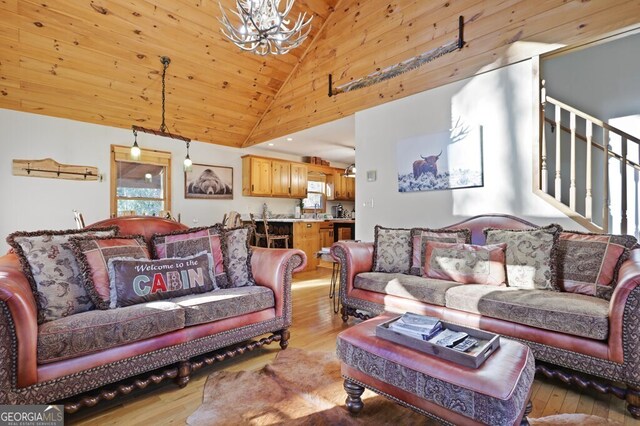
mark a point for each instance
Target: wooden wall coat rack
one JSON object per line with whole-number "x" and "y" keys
{"x": 405, "y": 66}
{"x": 49, "y": 168}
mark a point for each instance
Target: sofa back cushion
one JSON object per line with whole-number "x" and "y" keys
{"x": 531, "y": 255}
{"x": 466, "y": 263}
{"x": 589, "y": 263}
{"x": 421, "y": 236}
{"x": 237, "y": 256}
{"x": 147, "y": 226}
{"x": 392, "y": 250}
{"x": 478, "y": 224}
{"x": 191, "y": 241}
{"x": 93, "y": 254}
{"x": 134, "y": 281}
{"x": 52, "y": 271}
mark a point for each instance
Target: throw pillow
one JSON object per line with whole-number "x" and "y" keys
{"x": 392, "y": 250}
{"x": 589, "y": 263}
{"x": 93, "y": 254}
{"x": 134, "y": 281}
{"x": 466, "y": 263}
{"x": 237, "y": 256}
{"x": 50, "y": 266}
{"x": 190, "y": 242}
{"x": 531, "y": 255}
{"x": 420, "y": 237}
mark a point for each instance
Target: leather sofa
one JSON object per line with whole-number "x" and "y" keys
{"x": 172, "y": 354}
{"x": 606, "y": 345}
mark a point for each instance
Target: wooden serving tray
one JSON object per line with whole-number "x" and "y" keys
{"x": 487, "y": 344}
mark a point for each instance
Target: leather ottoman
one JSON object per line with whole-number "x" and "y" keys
{"x": 497, "y": 393}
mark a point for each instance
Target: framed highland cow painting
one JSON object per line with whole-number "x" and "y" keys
{"x": 446, "y": 160}
{"x": 209, "y": 182}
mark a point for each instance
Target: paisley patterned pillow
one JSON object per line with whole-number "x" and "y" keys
{"x": 237, "y": 256}
{"x": 420, "y": 237}
{"x": 192, "y": 241}
{"x": 93, "y": 254}
{"x": 531, "y": 255}
{"x": 392, "y": 250}
{"x": 589, "y": 263}
{"x": 466, "y": 263}
{"x": 50, "y": 266}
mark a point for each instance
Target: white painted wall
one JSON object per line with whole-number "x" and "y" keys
{"x": 501, "y": 102}
{"x": 40, "y": 203}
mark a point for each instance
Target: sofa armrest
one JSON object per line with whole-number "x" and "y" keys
{"x": 625, "y": 307}
{"x": 354, "y": 258}
{"x": 273, "y": 268}
{"x": 19, "y": 324}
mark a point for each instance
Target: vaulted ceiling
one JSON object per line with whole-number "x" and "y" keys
{"x": 98, "y": 60}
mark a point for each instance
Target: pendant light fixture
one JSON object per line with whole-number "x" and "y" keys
{"x": 350, "y": 171}
{"x": 263, "y": 28}
{"x": 135, "y": 149}
{"x": 188, "y": 164}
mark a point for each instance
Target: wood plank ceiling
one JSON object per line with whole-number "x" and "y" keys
{"x": 98, "y": 60}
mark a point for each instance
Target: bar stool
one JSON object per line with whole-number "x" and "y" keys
{"x": 335, "y": 273}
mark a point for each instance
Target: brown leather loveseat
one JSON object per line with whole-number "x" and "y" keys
{"x": 604, "y": 341}
{"x": 171, "y": 354}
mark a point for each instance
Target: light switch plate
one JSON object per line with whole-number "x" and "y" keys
{"x": 372, "y": 175}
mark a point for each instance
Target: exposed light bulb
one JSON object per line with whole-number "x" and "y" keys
{"x": 148, "y": 177}
{"x": 188, "y": 164}
{"x": 135, "y": 149}
{"x": 354, "y": 170}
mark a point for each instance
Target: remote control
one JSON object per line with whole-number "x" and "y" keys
{"x": 467, "y": 344}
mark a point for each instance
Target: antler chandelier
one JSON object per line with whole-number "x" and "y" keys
{"x": 264, "y": 29}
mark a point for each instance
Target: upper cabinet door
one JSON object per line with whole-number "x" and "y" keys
{"x": 299, "y": 173}
{"x": 280, "y": 178}
{"x": 260, "y": 176}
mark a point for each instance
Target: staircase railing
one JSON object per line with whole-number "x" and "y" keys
{"x": 594, "y": 129}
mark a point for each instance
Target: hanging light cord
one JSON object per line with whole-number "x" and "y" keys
{"x": 165, "y": 64}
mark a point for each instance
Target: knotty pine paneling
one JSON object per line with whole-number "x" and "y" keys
{"x": 98, "y": 61}
{"x": 497, "y": 33}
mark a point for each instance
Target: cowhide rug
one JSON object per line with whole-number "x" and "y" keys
{"x": 305, "y": 388}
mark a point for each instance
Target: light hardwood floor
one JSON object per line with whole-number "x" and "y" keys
{"x": 314, "y": 328}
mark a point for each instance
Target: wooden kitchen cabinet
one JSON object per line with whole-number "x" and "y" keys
{"x": 299, "y": 175}
{"x": 280, "y": 178}
{"x": 344, "y": 188}
{"x": 256, "y": 176}
{"x": 306, "y": 237}
{"x": 271, "y": 177}
{"x": 326, "y": 234}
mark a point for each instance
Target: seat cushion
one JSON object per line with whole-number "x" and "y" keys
{"x": 408, "y": 286}
{"x": 225, "y": 303}
{"x": 569, "y": 313}
{"x": 96, "y": 330}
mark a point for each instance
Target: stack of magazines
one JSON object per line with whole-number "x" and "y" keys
{"x": 417, "y": 326}
{"x": 431, "y": 329}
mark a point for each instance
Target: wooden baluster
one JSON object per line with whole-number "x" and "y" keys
{"x": 588, "y": 201}
{"x": 623, "y": 198}
{"x": 558, "y": 189}
{"x": 544, "y": 179}
{"x": 572, "y": 180}
{"x": 605, "y": 205}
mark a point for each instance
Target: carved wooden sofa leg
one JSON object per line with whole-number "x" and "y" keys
{"x": 184, "y": 373}
{"x": 284, "y": 338}
{"x": 344, "y": 311}
{"x": 633, "y": 400}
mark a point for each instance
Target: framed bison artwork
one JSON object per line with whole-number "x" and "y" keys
{"x": 446, "y": 160}
{"x": 209, "y": 182}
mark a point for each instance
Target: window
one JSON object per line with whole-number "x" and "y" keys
{"x": 316, "y": 187}
{"x": 140, "y": 187}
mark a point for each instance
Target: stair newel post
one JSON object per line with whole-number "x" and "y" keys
{"x": 588, "y": 200}
{"x": 558, "y": 189}
{"x": 623, "y": 177}
{"x": 605, "y": 204}
{"x": 572, "y": 180}
{"x": 544, "y": 177}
